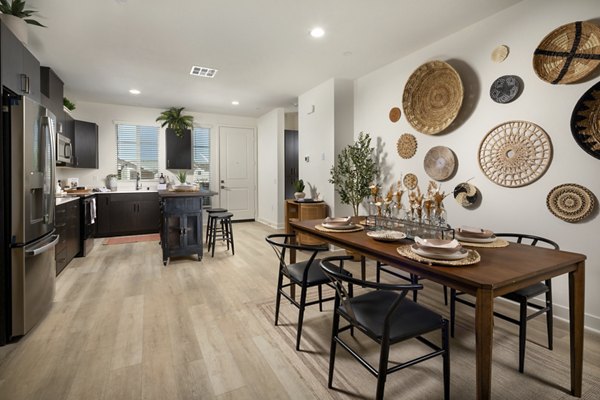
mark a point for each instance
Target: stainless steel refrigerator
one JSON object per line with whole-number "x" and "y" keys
{"x": 29, "y": 155}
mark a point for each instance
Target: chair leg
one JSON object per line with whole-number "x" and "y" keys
{"x": 445, "y": 295}
{"x": 414, "y": 279}
{"x": 300, "y": 316}
{"x": 549, "y": 314}
{"x": 278, "y": 297}
{"x": 452, "y": 310}
{"x": 334, "y": 333}
{"x": 378, "y": 272}
{"x": 363, "y": 268}
{"x": 446, "y": 359}
{"x": 214, "y": 237}
{"x": 320, "y": 289}
{"x": 522, "y": 335}
{"x": 383, "y": 362}
{"x": 231, "y": 236}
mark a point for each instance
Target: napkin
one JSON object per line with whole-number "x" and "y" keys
{"x": 337, "y": 221}
{"x": 438, "y": 243}
{"x": 469, "y": 231}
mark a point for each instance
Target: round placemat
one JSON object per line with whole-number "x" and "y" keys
{"x": 568, "y": 53}
{"x": 432, "y": 97}
{"x": 410, "y": 181}
{"x": 571, "y": 202}
{"x": 496, "y": 243}
{"x": 505, "y": 89}
{"x": 407, "y": 146}
{"x": 515, "y": 153}
{"x": 439, "y": 163}
{"x": 466, "y": 194}
{"x": 500, "y": 53}
{"x": 585, "y": 121}
{"x": 321, "y": 228}
{"x": 395, "y": 114}
{"x": 472, "y": 258}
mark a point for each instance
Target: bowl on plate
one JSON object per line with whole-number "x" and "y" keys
{"x": 438, "y": 246}
{"x": 470, "y": 232}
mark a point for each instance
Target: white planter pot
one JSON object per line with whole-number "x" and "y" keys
{"x": 17, "y": 26}
{"x": 299, "y": 195}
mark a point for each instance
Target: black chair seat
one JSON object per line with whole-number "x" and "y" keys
{"x": 527, "y": 293}
{"x": 408, "y": 320}
{"x": 315, "y": 276}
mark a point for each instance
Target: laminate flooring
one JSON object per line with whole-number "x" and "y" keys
{"x": 123, "y": 326}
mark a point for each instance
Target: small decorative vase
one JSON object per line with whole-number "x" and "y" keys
{"x": 299, "y": 195}
{"x": 17, "y": 26}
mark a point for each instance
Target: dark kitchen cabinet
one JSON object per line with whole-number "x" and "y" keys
{"x": 67, "y": 225}
{"x": 85, "y": 144}
{"x": 181, "y": 224}
{"x": 19, "y": 69}
{"x": 127, "y": 213}
{"x": 52, "y": 93}
{"x": 179, "y": 150}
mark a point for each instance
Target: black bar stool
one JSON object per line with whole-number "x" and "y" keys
{"x": 209, "y": 222}
{"x": 221, "y": 224}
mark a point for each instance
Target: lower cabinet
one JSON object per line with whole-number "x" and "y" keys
{"x": 127, "y": 213}
{"x": 67, "y": 225}
{"x": 181, "y": 226}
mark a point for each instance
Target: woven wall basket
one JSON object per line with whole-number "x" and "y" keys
{"x": 515, "y": 153}
{"x": 568, "y": 53}
{"x": 571, "y": 202}
{"x": 432, "y": 97}
{"x": 585, "y": 121}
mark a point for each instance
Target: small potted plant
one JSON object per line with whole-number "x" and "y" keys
{"x": 299, "y": 187}
{"x": 175, "y": 122}
{"x": 16, "y": 18}
{"x": 68, "y": 105}
{"x": 181, "y": 177}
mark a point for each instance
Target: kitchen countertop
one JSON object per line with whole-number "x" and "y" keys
{"x": 128, "y": 191}
{"x": 199, "y": 193}
{"x": 65, "y": 199}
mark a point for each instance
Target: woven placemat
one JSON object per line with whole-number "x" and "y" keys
{"x": 472, "y": 258}
{"x": 496, "y": 243}
{"x": 357, "y": 228}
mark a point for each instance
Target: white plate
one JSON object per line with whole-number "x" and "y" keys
{"x": 459, "y": 255}
{"x": 338, "y": 227}
{"x": 474, "y": 240}
{"x": 386, "y": 236}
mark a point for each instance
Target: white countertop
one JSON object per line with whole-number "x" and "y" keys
{"x": 129, "y": 191}
{"x": 65, "y": 199}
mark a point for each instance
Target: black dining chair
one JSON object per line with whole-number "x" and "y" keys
{"x": 384, "y": 314}
{"x": 521, "y": 296}
{"x": 412, "y": 278}
{"x": 305, "y": 274}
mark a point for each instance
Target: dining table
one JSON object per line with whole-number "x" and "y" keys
{"x": 500, "y": 271}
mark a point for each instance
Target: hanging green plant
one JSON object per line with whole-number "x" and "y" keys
{"x": 17, "y": 9}
{"x": 68, "y": 104}
{"x": 173, "y": 119}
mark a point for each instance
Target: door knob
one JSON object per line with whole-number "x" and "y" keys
{"x": 223, "y": 187}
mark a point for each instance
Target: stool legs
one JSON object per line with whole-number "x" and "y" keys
{"x": 222, "y": 225}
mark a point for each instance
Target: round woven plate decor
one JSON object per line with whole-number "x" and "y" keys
{"x": 568, "y": 53}
{"x": 432, "y": 97}
{"x": 395, "y": 114}
{"x": 585, "y": 121}
{"x": 515, "y": 153}
{"x": 571, "y": 202}
{"x": 410, "y": 181}
{"x": 505, "y": 89}
{"x": 407, "y": 145}
{"x": 466, "y": 194}
{"x": 439, "y": 163}
{"x": 500, "y": 53}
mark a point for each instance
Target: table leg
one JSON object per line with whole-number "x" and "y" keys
{"x": 484, "y": 333}
{"x": 576, "y": 316}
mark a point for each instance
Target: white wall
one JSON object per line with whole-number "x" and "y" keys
{"x": 521, "y": 28}
{"x": 270, "y": 168}
{"x": 105, "y": 115}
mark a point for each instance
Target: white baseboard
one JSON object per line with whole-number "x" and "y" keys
{"x": 269, "y": 223}
{"x": 590, "y": 322}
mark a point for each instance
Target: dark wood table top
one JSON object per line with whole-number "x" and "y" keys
{"x": 501, "y": 270}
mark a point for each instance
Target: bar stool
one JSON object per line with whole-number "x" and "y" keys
{"x": 209, "y": 222}
{"x": 221, "y": 223}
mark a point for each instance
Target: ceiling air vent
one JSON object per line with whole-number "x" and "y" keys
{"x": 203, "y": 72}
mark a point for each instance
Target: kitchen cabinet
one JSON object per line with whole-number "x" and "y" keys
{"x": 179, "y": 150}
{"x": 52, "y": 93}
{"x": 67, "y": 224}
{"x": 181, "y": 224}
{"x": 127, "y": 213}
{"x": 85, "y": 144}
{"x": 19, "y": 69}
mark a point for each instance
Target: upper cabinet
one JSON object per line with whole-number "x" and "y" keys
{"x": 19, "y": 69}
{"x": 51, "y": 88}
{"x": 179, "y": 149}
{"x": 85, "y": 144}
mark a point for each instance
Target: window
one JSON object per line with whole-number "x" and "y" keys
{"x": 201, "y": 155}
{"x": 137, "y": 151}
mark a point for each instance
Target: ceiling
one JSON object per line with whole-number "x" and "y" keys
{"x": 262, "y": 48}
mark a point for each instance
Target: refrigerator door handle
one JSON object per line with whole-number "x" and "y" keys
{"x": 44, "y": 248}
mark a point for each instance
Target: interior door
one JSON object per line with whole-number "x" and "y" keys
{"x": 291, "y": 162}
{"x": 237, "y": 171}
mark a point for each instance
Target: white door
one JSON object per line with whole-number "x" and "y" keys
{"x": 237, "y": 171}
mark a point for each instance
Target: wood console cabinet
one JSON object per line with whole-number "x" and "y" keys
{"x": 304, "y": 211}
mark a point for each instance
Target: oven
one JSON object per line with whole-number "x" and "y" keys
{"x": 63, "y": 150}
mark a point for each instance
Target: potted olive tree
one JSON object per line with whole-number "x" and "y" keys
{"x": 16, "y": 18}
{"x": 175, "y": 121}
{"x": 354, "y": 171}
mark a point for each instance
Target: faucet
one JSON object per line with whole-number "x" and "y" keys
{"x": 138, "y": 184}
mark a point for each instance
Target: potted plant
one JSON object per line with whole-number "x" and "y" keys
{"x": 299, "y": 187}
{"x": 16, "y": 18}
{"x": 173, "y": 119}
{"x": 68, "y": 105}
{"x": 354, "y": 171}
{"x": 181, "y": 177}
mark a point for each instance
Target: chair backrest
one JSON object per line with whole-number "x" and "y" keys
{"x": 338, "y": 277}
{"x": 280, "y": 242}
{"x": 528, "y": 239}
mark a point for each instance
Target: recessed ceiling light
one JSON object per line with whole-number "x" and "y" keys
{"x": 317, "y": 32}
{"x": 235, "y": 102}
{"x": 204, "y": 72}
{"x": 134, "y": 91}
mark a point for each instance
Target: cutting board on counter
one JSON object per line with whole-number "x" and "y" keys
{"x": 78, "y": 191}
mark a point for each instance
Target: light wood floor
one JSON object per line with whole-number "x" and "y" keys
{"x": 125, "y": 327}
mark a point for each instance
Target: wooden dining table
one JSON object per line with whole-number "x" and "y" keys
{"x": 500, "y": 271}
